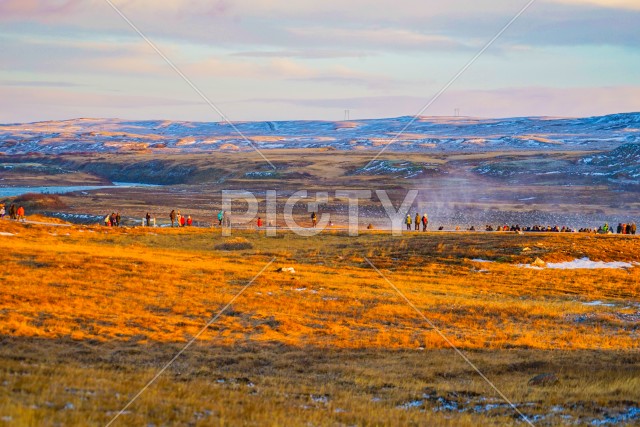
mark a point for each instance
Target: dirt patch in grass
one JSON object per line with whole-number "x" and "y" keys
{"x": 234, "y": 244}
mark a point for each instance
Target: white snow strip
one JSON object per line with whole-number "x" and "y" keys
{"x": 583, "y": 263}
{"x": 595, "y": 303}
{"x": 586, "y": 263}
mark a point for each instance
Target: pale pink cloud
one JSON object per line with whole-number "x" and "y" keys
{"x": 284, "y": 69}
{"x": 610, "y": 4}
{"x": 49, "y": 10}
{"x": 376, "y": 36}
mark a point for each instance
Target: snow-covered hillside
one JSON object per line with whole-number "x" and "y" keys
{"x": 426, "y": 134}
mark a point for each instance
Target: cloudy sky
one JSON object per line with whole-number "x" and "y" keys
{"x": 283, "y": 59}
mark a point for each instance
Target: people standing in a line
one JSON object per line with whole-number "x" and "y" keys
{"x": 113, "y": 219}
{"x": 632, "y": 228}
{"x": 220, "y": 217}
{"x": 118, "y": 218}
{"x": 183, "y": 220}
{"x": 408, "y": 222}
{"x": 189, "y": 221}
{"x": 148, "y": 218}
{"x": 12, "y": 211}
{"x": 179, "y": 219}
{"x": 20, "y": 213}
{"x": 107, "y": 221}
{"x": 417, "y": 222}
{"x": 314, "y": 219}
{"x": 425, "y": 222}
{"x": 172, "y": 217}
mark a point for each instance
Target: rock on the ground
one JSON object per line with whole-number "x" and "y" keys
{"x": 538, "y": 263}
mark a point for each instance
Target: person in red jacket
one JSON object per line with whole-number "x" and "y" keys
{"x": 182, "y": 221}
{"x": 189, "y": 221}
{"x": 259, "y": 222}
{"x": 21, "y": 214}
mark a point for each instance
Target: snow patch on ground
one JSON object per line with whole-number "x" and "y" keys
{"x": 598, "y": 303}
{"x": 586, "y": 263}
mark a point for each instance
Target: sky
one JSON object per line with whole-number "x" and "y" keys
{"x": 286, "y": 60}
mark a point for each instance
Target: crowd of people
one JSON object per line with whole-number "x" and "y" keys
{"x": 416, "y": 222}
{"x": 603, "y": 229}
{"x": 424, "y": 220}
{"x": 626, "y": 228}
{"x": 16, "y": 213}
{"x": 112, "y": 220}
{"x": 535, "y": 228}
{"x": 412, "y": 223}
{"x": 179, "y": 220}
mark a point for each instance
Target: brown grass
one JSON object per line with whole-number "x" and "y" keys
{"x": 88, "y": 314}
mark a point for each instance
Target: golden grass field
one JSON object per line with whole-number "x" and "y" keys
{"x": 89, "y": 314}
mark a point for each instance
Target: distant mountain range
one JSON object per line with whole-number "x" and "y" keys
{"x": 425, "y": 134}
